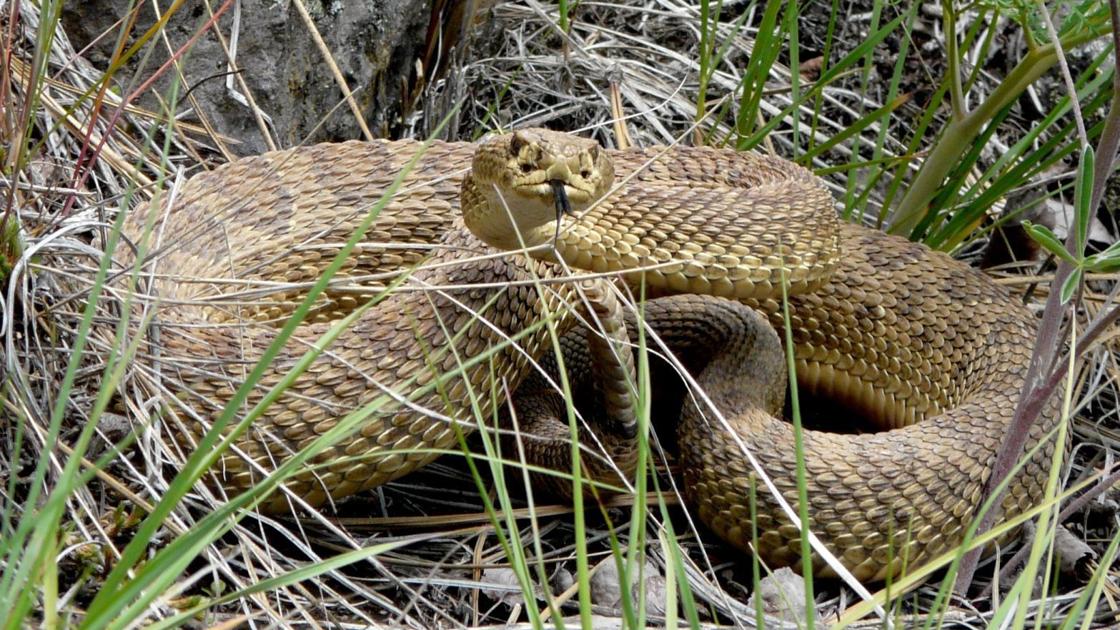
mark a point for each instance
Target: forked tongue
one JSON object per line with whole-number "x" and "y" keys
{"x": 563, "y": 205}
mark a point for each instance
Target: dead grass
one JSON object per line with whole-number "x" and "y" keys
{"x": 625, "y": 74}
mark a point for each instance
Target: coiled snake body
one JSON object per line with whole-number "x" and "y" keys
{"x": 925, "y": 344}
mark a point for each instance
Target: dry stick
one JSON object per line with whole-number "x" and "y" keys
{"x": 1109, "y": 141}
{"x": 193, "y": 100}
{"x": 1066, "y": 76}
{"x": 1033, "y": 397}
{"x": 1036, "y": 388}
{"x": 84, "y": 162}
{"x": 127, "y": 100}
{"x": 245, "y": 91}
{"x": 1069, "y": 510}
{"x": 1031, "y": 402}
{"x": 341, "y": 80}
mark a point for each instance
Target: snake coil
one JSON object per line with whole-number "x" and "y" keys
{"x": 931, "y": 348}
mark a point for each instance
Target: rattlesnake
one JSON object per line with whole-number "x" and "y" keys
{"x": 930, "y": 347}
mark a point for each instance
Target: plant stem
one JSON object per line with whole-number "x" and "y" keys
{"x": 1109, "y": 141}
{"x": 956, "y": 91}
{"x": 1074, "y": 106}
{"x": 959, "y": 133}
{"x": 1037, "y": 388}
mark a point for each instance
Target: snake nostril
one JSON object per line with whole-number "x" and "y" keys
{"x": 526, "y": 168}
{"x": 585, "y": 173}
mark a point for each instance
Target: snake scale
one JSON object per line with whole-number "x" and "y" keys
{"x": 930, "y": 348}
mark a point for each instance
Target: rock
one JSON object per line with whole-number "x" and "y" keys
{"x": 374, "y": 42}
{"x": 783, "y": 596}
{"x": 505, "y": 587}
{"x": 606, "y": 587}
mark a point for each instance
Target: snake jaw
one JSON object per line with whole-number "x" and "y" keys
{"x": 539, "y": 166}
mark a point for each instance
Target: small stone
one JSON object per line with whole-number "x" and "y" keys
{"x": 507, "y": 589}
{"x": 783, "y": 596}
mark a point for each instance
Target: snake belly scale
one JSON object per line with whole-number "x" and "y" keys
{"x": 932, "y": 348}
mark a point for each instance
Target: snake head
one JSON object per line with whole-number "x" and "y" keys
{"x": 539, "y": 175}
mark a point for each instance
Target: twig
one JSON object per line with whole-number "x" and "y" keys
{"x": 119, "y": 110}
{"x": 329, "y": 59}
{"x": 1075, "y": 107}
{"x": 1069, "y": 510}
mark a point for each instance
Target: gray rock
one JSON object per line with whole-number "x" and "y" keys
{"x": 783, "y": 596}
{"x": 374, "y": 42}
{"x": 606, "y": 587}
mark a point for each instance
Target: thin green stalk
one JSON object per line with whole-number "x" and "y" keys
{"x": 802, "y": 483}
{"x": 11, "y": 243}
{"x": 1043, "y": 373}
{"x": 714, "y": 59}
{"x": 949, "y": 194}
{"x": 766, "y": 48}
{"x": 799, "y": 449}
{"x": 154, "y": 576}
{"x": 997, "y": 183}
{"x": 675, "y": 556}
{"x": 880, "y": 115}
{"x": 852, "y": 203}
{"x": 985, "y": 46}
{"x": 956, "y": 91}
{"x": 637, "y": 549}
{"x": 131, "y": 594}
{"x": 23, "y": 559}
{"x": 19, "y": 149}
{"x": 959, "y": 134}
{"x": 826, "y": 53}
{"x": 583, "y": 565}
{"x": 912, "y": 152}
{"x": 794, "y": 65}
{"x": 565, "y": 19}
{"x": 189, "y": 616}
{"x": 211, "y": 444}
{"x": 518, "y": 562}
{"x": 827, "y": 77}
{"x": 869, "y": 59}
{"x": 868, "y": 64}
{"x": 973, "y": 541}
{"x": 707, "y": 30}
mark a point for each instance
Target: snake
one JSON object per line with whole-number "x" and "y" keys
{"x": 455, "y": 290}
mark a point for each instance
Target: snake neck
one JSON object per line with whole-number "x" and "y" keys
{"x": 489, "y": 215}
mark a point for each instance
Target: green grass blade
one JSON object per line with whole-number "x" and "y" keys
{"x": 206, "y": 454}
{"x": 827, "y": 77}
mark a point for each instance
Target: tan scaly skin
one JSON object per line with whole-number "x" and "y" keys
{"x": 920, "y": 341}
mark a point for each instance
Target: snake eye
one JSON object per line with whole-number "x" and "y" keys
{"x": 516, "y": 143}
{"x": 526, "y": 168}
